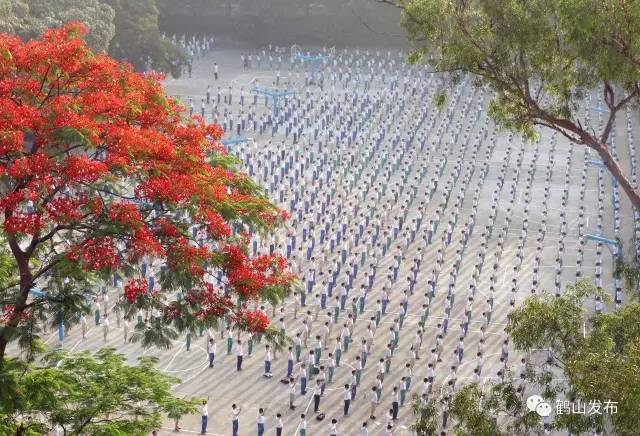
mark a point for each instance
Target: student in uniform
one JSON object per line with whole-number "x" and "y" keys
{"x": 364, "y": 430}
{"x": 239, "y": 356}
{"x": 279, "y": 425}
{"x": 333, "y": 427}
{"x": 302, "y": 425}
{"x": 373, "y": 400}
{"x": 316, "y": 396}
{"x": 260, "y": 422}
{"x": 267, "y": 362}
{"x": 292, "y": 393}
{"x": 211, "y": 351}
{"x": 235, "y": 413}
{"x": 394, "y": 403}
{"x": 346, "y": 396}
{"x": 204, "y": 414}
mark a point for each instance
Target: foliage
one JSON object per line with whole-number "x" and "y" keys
{"x": 29, "y": 18}
{"x": 541, "y": 57}
{"x": 479, "y": 412}
{"x": 128, "y": 29}
{"x": 138, "y": 38}
{"x": 496, "y": 410}
{"x": 426, "y": 414}
{"x": 276, "y": 338}
{"x": 597, "y": 355}
{"x": 547, "y": 321}
{"x": 13, "y": 16}
{"x": 96, "y": 15}
{"x": 101, "y": 170}
{"x": 627, "y": 271}
{"x": 86, "y": 394}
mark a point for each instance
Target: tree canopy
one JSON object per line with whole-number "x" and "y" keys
{"x": 102, "y": 171}
{"x": 571, "y": 355}
{"x": 541, "y": 57}
{"x": 138, "y": 40}
{"x": 128, "y": 30}
{"x": 29, "y": 18}
{"x": 597, "y": 354}
{"x": 86, "y": 394}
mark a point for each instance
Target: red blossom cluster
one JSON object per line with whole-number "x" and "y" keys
{"x": 8, "y": 314}
{"x": 134, "y": 289}
{"x": 209, "y": 304}
{"x": 66, "y": 210}
{"x": 95, "y": 254}
{"x": 27, "y": 223}
{"x": 188, "y": 257}
{"x": 89, "y": 147}
{"x": 126, "y": 214}
{"x": 253, "y": 321}
{"x": 249, "y": 277}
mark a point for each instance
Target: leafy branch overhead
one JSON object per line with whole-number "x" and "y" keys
{"x": 542, "y": 58}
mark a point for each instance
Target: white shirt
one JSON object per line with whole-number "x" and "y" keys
{"x": 373, "y": 397}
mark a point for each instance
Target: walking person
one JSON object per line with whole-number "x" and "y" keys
{"x": 333, "y": 427}
{"x": 290, "y": 361}
{"x": 229, "y": 341}
{"x": 364, "y": 431}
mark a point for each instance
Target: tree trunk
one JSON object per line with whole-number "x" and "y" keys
{"x": 617, "y": 173}
{"x": 26, "y": 282}
{"x": 13, "y": 322}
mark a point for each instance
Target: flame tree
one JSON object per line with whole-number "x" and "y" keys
{"x": 101, "y": 171}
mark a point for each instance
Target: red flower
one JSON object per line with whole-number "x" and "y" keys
{"x": 134, "y": 289}
{"x": 104, "y": 159}
{"x": 28, "y": 224}
{"x": 126, "y": 214}
{"x": 253, "y": 321}
{"x": 95, "y": 254}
